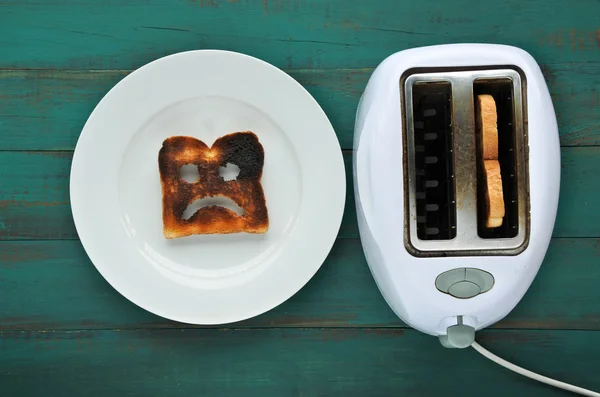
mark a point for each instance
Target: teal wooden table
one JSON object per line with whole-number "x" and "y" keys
{"x": 65, "y": 332}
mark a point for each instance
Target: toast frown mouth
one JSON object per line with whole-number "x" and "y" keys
{"x": 209, "y": 203}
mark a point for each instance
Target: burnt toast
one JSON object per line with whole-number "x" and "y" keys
{"x": 242, "y": 149}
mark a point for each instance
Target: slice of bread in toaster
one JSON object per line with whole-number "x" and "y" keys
{"x": 487, "y": 123}
{"x": 494, "y": 199}
{"x": 242, "y": 149}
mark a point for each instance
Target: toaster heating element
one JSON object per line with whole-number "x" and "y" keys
{"x": 423, "y": 205}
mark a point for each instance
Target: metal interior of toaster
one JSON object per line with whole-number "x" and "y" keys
{"x": 443, "y": 167}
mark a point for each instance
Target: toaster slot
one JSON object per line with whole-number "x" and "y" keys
{"x": 501, "y": 90}
{"x": 433, "y": 161}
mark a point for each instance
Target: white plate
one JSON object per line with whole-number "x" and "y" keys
{"x": 116, "y": 191}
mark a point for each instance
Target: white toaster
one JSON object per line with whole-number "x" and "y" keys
{"x": 419, "y": 197}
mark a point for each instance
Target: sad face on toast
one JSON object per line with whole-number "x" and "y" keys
{"x": 241, "y": 149}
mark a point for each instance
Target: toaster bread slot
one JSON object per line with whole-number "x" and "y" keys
{"x": 433, "y": 163}
{"x": 497, "y": 161}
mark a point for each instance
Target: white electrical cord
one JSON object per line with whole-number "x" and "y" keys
{"x": 533, "y": 375}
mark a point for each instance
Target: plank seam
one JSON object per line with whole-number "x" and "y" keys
{"x": 250, "y": 328}
{"x": 125, "y": 71}
{"x": 294, "y": 70}
{"x": 32, "y": 240}
{"x": 344, "y": 151}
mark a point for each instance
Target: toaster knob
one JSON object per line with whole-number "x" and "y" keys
{"x": 464, "y": 283}
{"x": 464, "y": 289}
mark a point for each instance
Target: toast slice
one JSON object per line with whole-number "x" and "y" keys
{"x": 242, "y": 149}
{"x": 494, "y": 200}
{"x": 487, "y": 125}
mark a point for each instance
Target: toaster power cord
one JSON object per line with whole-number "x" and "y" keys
{"x": 533, "y": 375}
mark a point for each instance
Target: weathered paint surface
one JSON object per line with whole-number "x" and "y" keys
{"x": 34, "y": 202}
{"x": 286, "y": 362}
{"x": 46, "y": 109}
{"x": 64, "y": 331}
{"x": 52, "y": 285}
{"x": 308, "y": 34}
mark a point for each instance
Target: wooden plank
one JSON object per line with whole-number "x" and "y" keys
{"x": 291, "y": 362}
{"x": 107, "y": 34}
{"x": 52, "y": 285}
{"x": 46, "y": 109}
{"x": 34, "y": 199}
{"x": 575, "y": 92}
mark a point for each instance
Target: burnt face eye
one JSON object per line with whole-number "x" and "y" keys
{"x": 230, "y": 172}
{"x": 189, "y": 173}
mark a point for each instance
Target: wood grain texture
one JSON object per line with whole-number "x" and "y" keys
{"x": 48, "y": 285}
{"x": 47, "y": 109}
{"x": 34, "y": 199}
{"x": 44, "y": 177}
{"x": 64, "y": 331}
{"x": 293, "y": 362}
{"x": 312, "y": 34}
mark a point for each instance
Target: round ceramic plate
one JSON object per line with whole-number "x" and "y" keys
{"x": 116, "y": 195}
